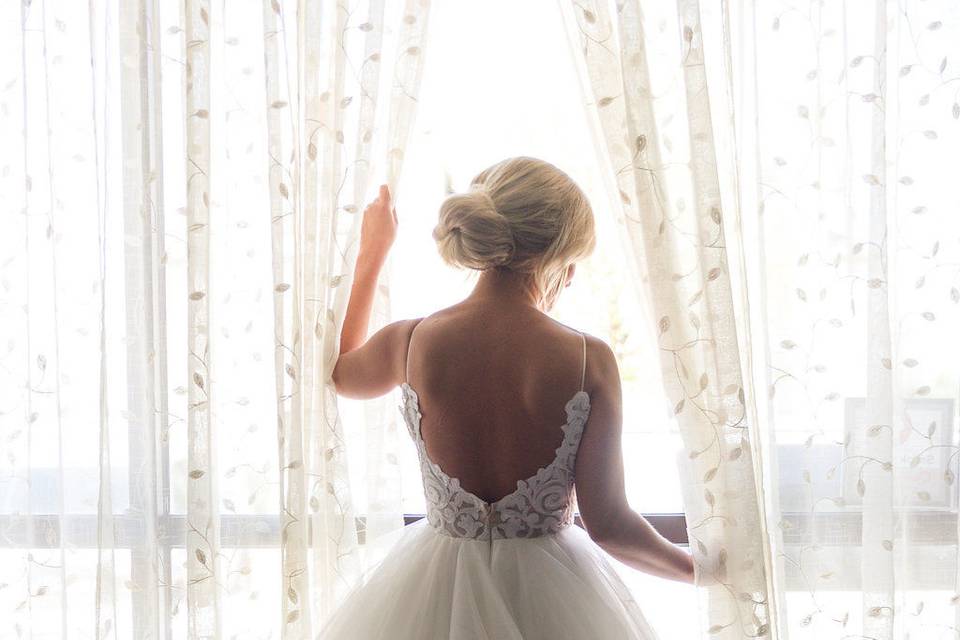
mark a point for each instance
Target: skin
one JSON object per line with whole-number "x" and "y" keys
{"x": 515, "y": 361}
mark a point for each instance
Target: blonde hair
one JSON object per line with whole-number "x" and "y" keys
{"x": 523, "y": 215}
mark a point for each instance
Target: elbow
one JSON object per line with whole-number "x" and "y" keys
{"x": 336, "y": 379}
{"x": 618, "y": 530}
{"x": 605, "y": 531}
{"x": 345, "y": 382}
{"x": 601, "y": 536}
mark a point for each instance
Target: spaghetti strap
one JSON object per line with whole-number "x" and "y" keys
{"x": 466, "y": 534}
{"x": 406, "y": 362}
{"x": 583, "y": 370}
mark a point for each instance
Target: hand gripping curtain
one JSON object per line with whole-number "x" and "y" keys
{"x": 647, "y": 92}
{"x": 340, "y": 82}
{"x": 181, "y": 187}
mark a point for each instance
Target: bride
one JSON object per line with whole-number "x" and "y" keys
{"x": 516, "y": 420}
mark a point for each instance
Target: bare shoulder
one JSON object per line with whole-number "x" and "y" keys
{"x": 449, "y": 322}
{"x": 394, "y": 337}
{"x": 439, "y": 316}
{"x": 400, "y": 334}
{"x": 600, "y": 358}
{"x": 403, "y": 329}
{"x": 377, "y": 366}
{"x": 601, "y": 364}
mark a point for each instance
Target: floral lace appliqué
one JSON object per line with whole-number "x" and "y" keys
{"x": 542, "y": 504}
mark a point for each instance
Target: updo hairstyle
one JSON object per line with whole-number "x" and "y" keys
{"x": 523, "y": 215}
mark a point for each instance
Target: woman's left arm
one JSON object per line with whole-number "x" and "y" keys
{"x": 370, "y": 368}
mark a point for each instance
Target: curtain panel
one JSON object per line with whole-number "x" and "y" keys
{"x": 787, "y": 180}
{"x": 848, "y": 128}
{"x": 181, "y": 191}
{"x": 644, "y": 74}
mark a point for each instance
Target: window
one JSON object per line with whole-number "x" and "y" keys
{"x": 487, "y": 97}
{"x": 479, "y": 104}
{"x": 484, "y": 98}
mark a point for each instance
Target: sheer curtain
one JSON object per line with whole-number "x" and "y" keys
{"x": 646, "y": 81}
{"x": 849, "y": 124}
{"x": 181, "y": 189}
{"x": 787, "y": 178}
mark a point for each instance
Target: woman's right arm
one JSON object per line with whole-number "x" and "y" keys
{"x": 601, "y": 496}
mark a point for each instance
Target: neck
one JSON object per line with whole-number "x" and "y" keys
{"x": 505, "y": 287}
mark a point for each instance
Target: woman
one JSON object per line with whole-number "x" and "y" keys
{"x": 516, "y": 419}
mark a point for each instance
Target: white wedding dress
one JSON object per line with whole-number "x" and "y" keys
{"x": 514, "y": 569}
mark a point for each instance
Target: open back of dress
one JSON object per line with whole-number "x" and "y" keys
{"x": 513, "y": 569}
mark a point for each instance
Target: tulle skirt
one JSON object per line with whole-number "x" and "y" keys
{"x": 431, "y": 586}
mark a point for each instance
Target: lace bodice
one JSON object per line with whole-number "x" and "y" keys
{"x": 540, "y": 505}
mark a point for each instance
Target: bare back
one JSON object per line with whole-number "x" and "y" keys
{"x": 516, "y": 418}
{"x": 493, "y": 382}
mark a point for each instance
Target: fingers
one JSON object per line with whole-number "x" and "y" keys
{"x": 383, "y": 200}
{"x": 394, "y": 211}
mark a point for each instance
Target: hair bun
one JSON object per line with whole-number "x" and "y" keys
{"x": 471, "y": 232}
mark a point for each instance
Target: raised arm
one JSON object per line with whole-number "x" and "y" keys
{"x": 377, "y": 233}
{"x": 608, "y": 518}
{"x": 370, "y": 368}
